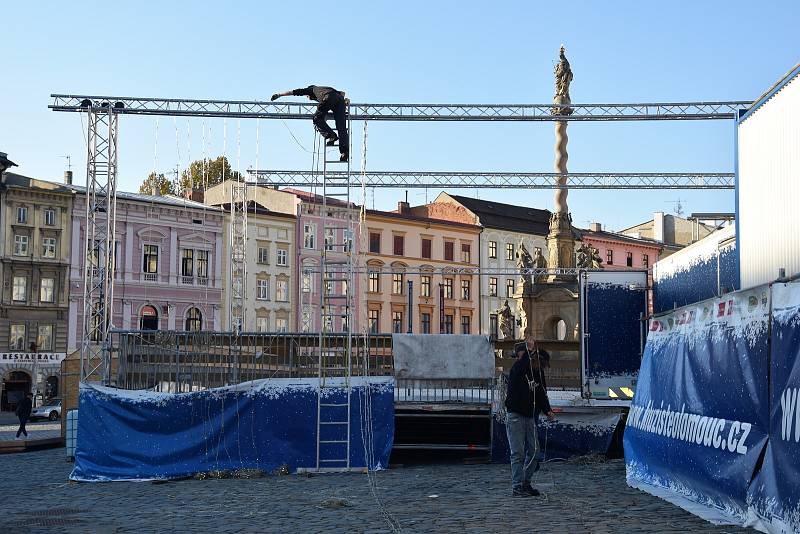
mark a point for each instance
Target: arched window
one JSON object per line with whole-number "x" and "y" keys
{"x": 194, "y": 320}
{"x": 149, "y": 318}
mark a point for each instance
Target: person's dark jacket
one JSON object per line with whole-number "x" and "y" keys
{"x": 24, "y": 408}
{"x": 316, "y": 92}
{"x": 520, "y": 399}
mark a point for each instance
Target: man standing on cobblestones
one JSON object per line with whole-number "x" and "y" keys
{"x": 525, "y": 400}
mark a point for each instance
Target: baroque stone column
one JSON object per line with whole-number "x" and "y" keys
{"x": 560, "y": 241}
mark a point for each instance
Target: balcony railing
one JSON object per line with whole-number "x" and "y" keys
{"x": 187, "y": 280}
{"x": 150, "y": 277}
{"x": 202, "y": 280}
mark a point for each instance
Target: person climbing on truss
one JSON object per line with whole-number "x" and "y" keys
{"x": 329, "y": 99}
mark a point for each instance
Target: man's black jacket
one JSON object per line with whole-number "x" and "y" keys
{"x": 24, "y": 408}
{"x": 316, "y": 92}
{"x": 520, "y": 399}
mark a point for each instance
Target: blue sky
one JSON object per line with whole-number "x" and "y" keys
{"x": 390, "y": 52}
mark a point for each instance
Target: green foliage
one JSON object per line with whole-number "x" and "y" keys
{"x": 157, "y": 184}
{"x": 207, "y": 173}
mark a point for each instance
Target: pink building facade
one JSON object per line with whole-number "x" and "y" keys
{"x": 169, "y": 261}
{"x": 311, "y": 238}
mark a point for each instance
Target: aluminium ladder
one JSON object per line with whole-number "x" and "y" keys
{"x": 337, "y": 277}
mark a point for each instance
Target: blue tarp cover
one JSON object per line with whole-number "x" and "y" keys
{"x": 263, "y": 424}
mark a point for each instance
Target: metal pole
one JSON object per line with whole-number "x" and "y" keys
{"x": 410, "y": 304}
{"x": 441, "y": 308}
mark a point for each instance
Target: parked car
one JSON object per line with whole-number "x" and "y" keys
{"x": 50, "y": 410}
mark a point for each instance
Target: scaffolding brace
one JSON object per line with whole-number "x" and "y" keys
{"x": 174, "y": 107}
{"x": 503, "y": 180}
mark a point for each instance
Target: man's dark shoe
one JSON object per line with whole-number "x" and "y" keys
{"x": 530, "y": 490}
{"x": 520, "y": 492}
{"x": 344, "y": 157}
{"x": 332, "y": 141}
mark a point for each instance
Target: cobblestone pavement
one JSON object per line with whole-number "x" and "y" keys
{"x": 43, "y": 430}
{"x": 432, "y": 498}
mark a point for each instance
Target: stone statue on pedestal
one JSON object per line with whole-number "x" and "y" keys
{"x": 524, "y": 264}
{"x": 505, "y": 320}
{"x": 539, "y": 262}
{"x": 588, "y": 257}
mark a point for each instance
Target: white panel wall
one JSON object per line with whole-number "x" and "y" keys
{"x": 769, "y": 188}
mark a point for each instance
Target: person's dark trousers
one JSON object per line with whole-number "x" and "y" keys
{"x": 22, "y": 421}
{"x": 335, "y": 103}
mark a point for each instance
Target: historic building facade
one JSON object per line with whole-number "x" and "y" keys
{"x": 311, "y": 239}
{"x": 399, "y": 241}
{"x": 169, "y": 262}
{"x": 504, "y": 227}
{"x": 34, "y": 260}
{"x": 269, "y": 296}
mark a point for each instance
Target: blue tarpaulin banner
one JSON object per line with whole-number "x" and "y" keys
{"x": 263, "y": 424}
{"x": 775, "y": 492}
{"x": 699, "y": 420}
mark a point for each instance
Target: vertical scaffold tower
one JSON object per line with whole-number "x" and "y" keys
{"x": 101, "y": 209}
{"x": 337, "y": 277}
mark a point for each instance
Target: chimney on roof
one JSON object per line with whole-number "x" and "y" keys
{"x": 195, "y": 194}
{"x": 658, "y": 226}
{"x": 68, "y": 177}
{"x": 403, "y": 207}
{"x": 596, "y": 227}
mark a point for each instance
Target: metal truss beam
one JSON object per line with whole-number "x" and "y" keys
{"x": 406, "y": 112}
{"x": 505, "y": 180}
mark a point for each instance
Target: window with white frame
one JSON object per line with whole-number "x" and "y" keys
{"x": 22, "y": 214}
{"x": 374, "y": 279}
{"x": 44, "y": 339}
{"x": 492, "y": 286}
{"x": 425, "y": 285}
{"x": 281, "y": 291}
{"x": 308, "y": 283}
{"x": 509, "y": 251}
{"x": 448, "y": 288}
{"x": 48, "y": 247}
{"x": 374, "y": 318}
{"x": 194, "y": 320}
{"x": 510, "y": 287}
{"x": 397, "y": 283}
{"x": 47, "y": 290}
{"x": 281, "y": 324}
{"x": 16, "y": 339}
{"x": 202, "y": 263}
{"x": 50, "y": 217}
{"x": 262, "y": 289}
{"x": 425, "y": 322}
{"x": 150, "y": 259}
{"x": 308, "y": 236}
{"x": 330, "y": 237}
{"x": 20, "y": 289}
{"x": 493, "y": 249}
{"x": 466, "y": 321}
{"x": 263, "y": 255}
{"x": 262, "y": 324}
{"x": 187, "y": 262}
{"x": 397, "y": 322}
{"x": 283, "y": 257}
{"x": 465, "y": 289}
{"x": 20, "y": 245}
